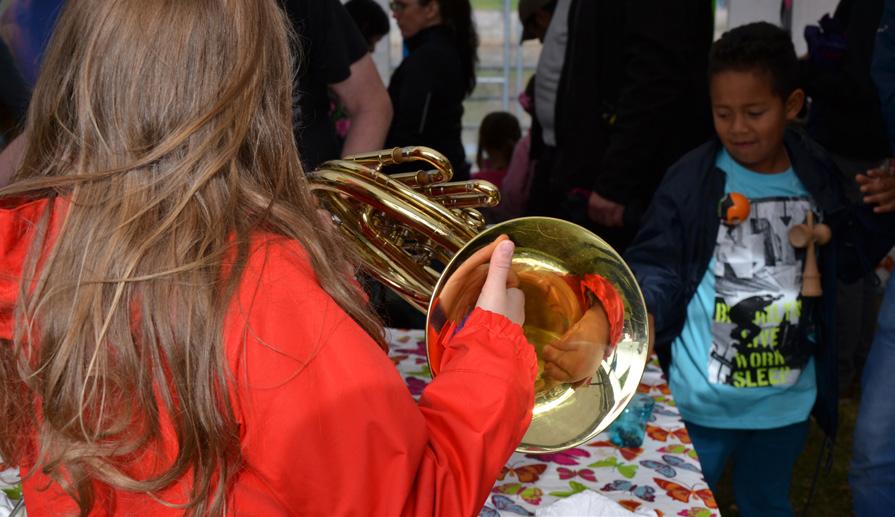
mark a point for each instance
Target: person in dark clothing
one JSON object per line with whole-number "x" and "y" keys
{"x": 333, "y": 56}
{"x": 845, "y": 118}
{"x": 836, "y": 76}
{"x": 370, "y": 19}
{"x": 632, "y": 100}
{"x": 428, "y": 88}
{"x": 747, "y": 395}
{"x": 14, "y": 96}
{"x": 872, "y": 472}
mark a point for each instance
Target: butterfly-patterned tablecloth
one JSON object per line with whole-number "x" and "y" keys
{"x": 663, "y": 475}
{"x": 10, "y": 489}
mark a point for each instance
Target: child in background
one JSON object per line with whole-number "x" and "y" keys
{"x": 498, "y": 135}
{"x": 516, "y": 185}
{"x": 750, "y": 357}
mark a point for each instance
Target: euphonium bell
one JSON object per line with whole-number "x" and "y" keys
{"x": 406, "y": 224}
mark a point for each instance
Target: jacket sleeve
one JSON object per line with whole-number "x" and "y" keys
{"x": 329, "y": 428}
{"x": 658, "y": 44}
{"x": 861, "y": 239}
{"x": 656, "y": 256}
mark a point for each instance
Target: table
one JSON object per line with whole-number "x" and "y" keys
{"x": 663, "y": 475}
{"x": 10, "y": 491}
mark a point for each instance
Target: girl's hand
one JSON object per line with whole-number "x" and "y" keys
{"x": 497, "y": 295}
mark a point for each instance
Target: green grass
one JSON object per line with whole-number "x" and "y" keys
{"x": 493, "y": 5}
{"x": 832, "y": 498}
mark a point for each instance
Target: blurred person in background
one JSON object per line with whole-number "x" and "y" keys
{"x": 630, "y": 99}
{"x": 334, "y": 59}
{"x": 372, "y": 22}
{"x": 498, "y": 135}
{"x": 872, "y": 473}
{"x": 25, "y": 27}
{"x": 370, "y": 19}
{"x": 516, "y": 185}
{"x": 428, "y": 88}
{"x": 844, "y": 116}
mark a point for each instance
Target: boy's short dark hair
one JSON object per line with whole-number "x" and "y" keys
{"x": 758, "y": 46}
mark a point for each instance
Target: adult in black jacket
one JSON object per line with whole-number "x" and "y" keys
{"x": 632, "y": 100}
{"x": 428, "y": 88}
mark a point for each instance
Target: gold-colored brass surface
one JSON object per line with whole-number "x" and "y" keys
{"x": 552, "y": 258}
{"x": 407, "y": 225}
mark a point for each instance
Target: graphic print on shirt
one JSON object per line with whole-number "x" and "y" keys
{"x": 758, "y": 277}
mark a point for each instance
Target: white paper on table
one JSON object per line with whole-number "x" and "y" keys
{"x": 589, "y": 503}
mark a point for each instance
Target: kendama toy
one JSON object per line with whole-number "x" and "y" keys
{"x": 734, "y": 208}
{"x": 807, "y": 235}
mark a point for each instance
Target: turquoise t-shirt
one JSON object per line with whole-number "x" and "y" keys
{"x": 738, "y": 362}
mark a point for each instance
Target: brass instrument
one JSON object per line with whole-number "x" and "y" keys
{"x": 405, "y": 223}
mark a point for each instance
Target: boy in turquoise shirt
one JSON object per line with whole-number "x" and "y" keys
{"x": 750, "y": 356}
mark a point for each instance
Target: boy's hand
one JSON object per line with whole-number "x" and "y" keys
{"x": 604, "y": 212}
{"x": 577, "y": 354}
{"x": 878, "y": 187}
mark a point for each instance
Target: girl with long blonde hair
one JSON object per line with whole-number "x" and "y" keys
{"x": 177, "y": 333}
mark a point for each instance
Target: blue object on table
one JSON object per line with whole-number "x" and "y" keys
{"x": 629, "y": 428}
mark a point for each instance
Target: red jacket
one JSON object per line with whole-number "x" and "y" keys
{"x": 327, "y": 425}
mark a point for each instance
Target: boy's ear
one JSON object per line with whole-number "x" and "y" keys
{"x": 794, "y": 104}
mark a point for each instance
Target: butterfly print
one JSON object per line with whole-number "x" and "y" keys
{"x": 647, "y": 493}
{"x": 647, "y": 389}
{"x": 680, "y": 449}
{"x": 661, "y": 468}
{"x": 566, "y": 457}
{"x": 628, "y": 453}
{"x": 625, "y": 469}
{"x": 415, "y": 386}
{"x": 487, "y": 511}
{"x": 396, "y": 359}
{"x": 503, "y": 502}
{"x": 667, "y": 468}
{"x": 659, "y": 409}
{"x": 524, "y": 473}
{"x": 630, "y": 504}
{"x": 682, "y": 493}
{"x": 697, "y": 512}
{"x": 575, "y": 488}
{"x": 587, "y": 474}
{"x": 531, "y": 495}
{"x": 419, "y": 349}
{"x": 674, "y": 461}
{"x": 660, "y": 434}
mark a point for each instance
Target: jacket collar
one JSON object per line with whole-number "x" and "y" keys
{"x": 814, "y": 168}
{"x": 809, "y": 161}
{"x": 436, "y": 32}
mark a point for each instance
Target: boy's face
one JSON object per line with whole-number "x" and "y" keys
{"x": 750, "y": 118}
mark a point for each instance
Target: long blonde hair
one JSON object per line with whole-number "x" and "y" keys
{"x": 166, "y": 125}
